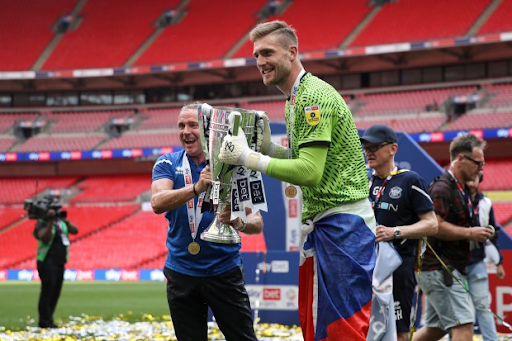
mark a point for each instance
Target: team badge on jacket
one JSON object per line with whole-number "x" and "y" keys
{"x": 395, "y": 192}
{"x": 312, "y": 114}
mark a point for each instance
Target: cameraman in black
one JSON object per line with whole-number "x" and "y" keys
{"x": 52, "y": 253}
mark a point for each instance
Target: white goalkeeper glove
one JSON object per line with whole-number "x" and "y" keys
{"x": 264, "y": 143}
{"x": 235, "y": 151}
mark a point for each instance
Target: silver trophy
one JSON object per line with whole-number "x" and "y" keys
{"x": 214, "y": 125}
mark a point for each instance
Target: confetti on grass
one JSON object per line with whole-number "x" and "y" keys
{"x": 150, "y": 328}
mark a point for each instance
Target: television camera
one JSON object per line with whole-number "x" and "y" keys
{"x": 38, "y": 209}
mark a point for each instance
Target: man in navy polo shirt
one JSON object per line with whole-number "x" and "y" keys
{"x": 404, "y": 213}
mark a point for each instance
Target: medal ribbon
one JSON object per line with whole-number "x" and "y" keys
{"x": 194, "y": 214}
{"x": 465, "y": 196}
{"x": 384, "y": 183}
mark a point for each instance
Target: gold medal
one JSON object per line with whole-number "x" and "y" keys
{"x": 290, "y": 191}
{"x": 194, "y": 248}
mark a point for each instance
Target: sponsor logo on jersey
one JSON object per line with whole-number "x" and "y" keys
{"x": 312, "y": 114}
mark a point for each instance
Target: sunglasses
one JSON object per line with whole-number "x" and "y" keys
{"x": 479, "y": 164}
{"x": 374, "y": 147}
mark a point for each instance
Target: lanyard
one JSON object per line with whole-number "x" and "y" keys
{"x": 384, "y": 183}
{"x": 295, "y": 89}
{"x": 466, "y": 197}
{"x": 194, "y": 215}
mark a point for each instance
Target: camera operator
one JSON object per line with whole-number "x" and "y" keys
{"x": 52, "y": 253}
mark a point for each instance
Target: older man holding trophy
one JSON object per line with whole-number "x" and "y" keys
{"x": 205, "y": 272}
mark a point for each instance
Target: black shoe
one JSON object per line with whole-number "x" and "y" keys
{"x": 52, "y": 325}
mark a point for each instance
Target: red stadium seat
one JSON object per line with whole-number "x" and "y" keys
{"x": 416, "y": 20}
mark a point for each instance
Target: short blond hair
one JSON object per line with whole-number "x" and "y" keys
{"x": 275, "y": 27}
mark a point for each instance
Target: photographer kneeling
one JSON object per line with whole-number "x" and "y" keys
{"x": 52, "y": 253}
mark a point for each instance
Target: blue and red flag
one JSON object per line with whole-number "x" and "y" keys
{"x": 335, "y": 280}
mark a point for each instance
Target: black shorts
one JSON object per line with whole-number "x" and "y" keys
{"x": 404, "y": 283}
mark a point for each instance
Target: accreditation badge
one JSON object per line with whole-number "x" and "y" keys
{"x": 312, "y": 114}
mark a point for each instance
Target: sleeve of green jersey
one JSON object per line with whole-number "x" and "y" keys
{"x": 306, "y": 170}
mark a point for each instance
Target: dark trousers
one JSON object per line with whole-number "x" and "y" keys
{"x": 189, "y": 298}
{"x": 51, "y": 276}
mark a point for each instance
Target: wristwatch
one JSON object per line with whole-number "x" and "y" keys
{"x": 397, "y": 234}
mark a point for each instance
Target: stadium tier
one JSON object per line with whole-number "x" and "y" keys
{"x": 144, "y": 140}
{"x": 83, "y": 122}
{"x": 16, "y": 190}
{"x": 113, "y": 188}
{"x": 118, "y": 33}
{"x": 503, "y": 212}
{"x": 7, "y": 142}
{"x": 29, "y": 24}
{"x": 499, "y": 21}
{"x": 501, "y": 95}
{"x": 407, "y": 102}
{"x": 328, "y": 32}
{"x": 415, "y": 20}
{"x": 497, "y": 175}
{"x": 108, "y": 34}
{"x": 193, "y": 39}
{"x": 10, "y": 215}
{"x": 136, "y": 238}
{"x": 160, "y": 118}
{"x": 61, "y": 143}
{"x": 18, "y": 244}
{"x": 274, "y": 109}
{"x": 417, "y": 124}
{"x": 7, "y": 121}
{"x": 481, "y": 120}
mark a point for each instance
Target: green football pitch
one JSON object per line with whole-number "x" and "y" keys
{"x": 18, "y": 301}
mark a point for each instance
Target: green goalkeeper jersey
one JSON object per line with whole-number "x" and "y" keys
{"x": 321, "y": 117}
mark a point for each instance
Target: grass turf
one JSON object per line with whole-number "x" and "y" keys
{"x": 18, "y": 301}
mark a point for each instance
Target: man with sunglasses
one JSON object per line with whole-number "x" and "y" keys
{"x": 443, "y": 272}
{"x": 404, "y": 213}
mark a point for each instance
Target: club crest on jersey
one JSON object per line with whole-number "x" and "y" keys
{"x": 312, "y": 114}
{"x": 395, "y": 192}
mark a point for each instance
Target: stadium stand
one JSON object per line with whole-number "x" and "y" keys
{"x": 427, "y": 122}
{"x": 16, "y": 190}
{"x": 497, "y": 175}
{"x": 327, "y": 33}
{"x": 83, "y": 122}
{"x": 110, "y": 32}
{"x": 142, "y": 236}
{"x": 481, "y": 120}
{"x": 502, "y": 95}
{"x": 92, "y": 218}
{"x": 29, "y": 25}
{"x": 10, "y": 215}
{"x": 503, "y": 212}
{"x": 114, "y": 232}
{"x": 8, "y": 120}
{"x": 415, "y": 20}
{"x": 61, "y": 143}
{"x": 144, "y": 140}
{"x": 229, "y": 19}
{"x": 499, "y": 20}
{"x": 18, "y": 244}
{"x": 111, "y": 188}
{"x": 274, "y": 109}
{"x": 160, "y": 118}
{"x": 6, "y": 143}
{"x": 406, "y": 102}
